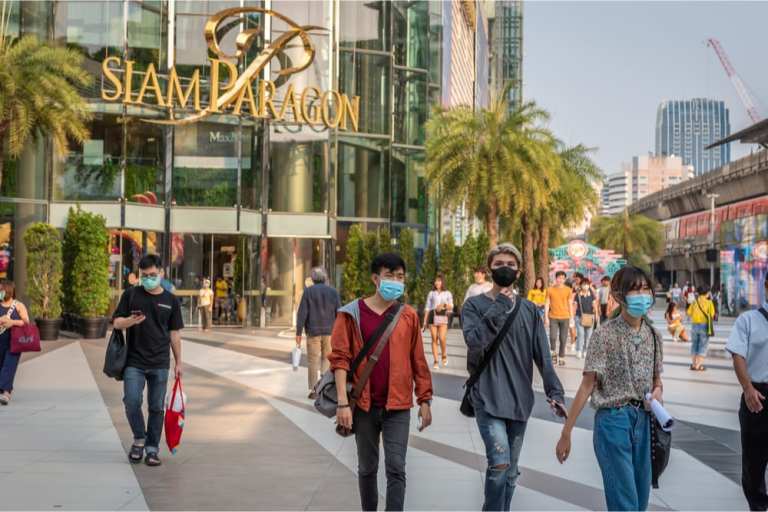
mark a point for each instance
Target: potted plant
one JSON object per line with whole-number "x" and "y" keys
{"x": 87, "y": 273}
{"x": 44, "y": 268}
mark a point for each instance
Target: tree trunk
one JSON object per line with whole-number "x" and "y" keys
{"x": 543, "y": 264}
{"x": 492, "y": 223}
{"x": 528, "y": 260}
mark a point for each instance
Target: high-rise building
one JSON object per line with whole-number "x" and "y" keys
{"x": 506, "y": 29}
{"x": 645, "y": 175}
{"x": 686, "y": 127}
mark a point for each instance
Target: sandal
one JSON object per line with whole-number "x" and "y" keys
{"x": 445, "y": 362}
{"x": 152, "y": 459}
{"x": 136, "y": 454}
{"x": 701, "y": 368}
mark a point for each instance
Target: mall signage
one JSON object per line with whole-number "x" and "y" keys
{"x": 243, "y": 93}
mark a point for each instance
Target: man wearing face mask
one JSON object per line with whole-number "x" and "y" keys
{"x": 382, "y": 408}
{"x": 502, "y": 396}
{"x": 152, "y": 317}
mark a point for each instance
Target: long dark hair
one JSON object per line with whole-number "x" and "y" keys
{"x": 9, "y": 287}
{"x": 628, "y": 279}
{"x": 536, "y": 284}
{"x": 442, "y": 283}
{"x": 670, "y": 309}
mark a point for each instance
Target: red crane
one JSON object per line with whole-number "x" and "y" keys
{"x": 741, "y": 89}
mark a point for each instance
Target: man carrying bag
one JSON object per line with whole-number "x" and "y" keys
{"x": 383, "y": 391}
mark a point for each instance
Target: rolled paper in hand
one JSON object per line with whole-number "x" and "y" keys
{"x": 662, "y": 416}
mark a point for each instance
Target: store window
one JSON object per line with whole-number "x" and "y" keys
{"x": 409, "y": 188}
{"x": 363, "y": 184}
{"x": 298, "y": 171}
{"x": 411, "y": 107}
{"x": 24, "y": 177}
{"x": 206, "y": 164}
{"x": 91, "y": 170}
{"x": 367, "y": 76}
{"x": 144, "y": 163}
{"x": 364, "y": 25}
{"x": 94, "y": 28}
{"x": 251, "y": 177}
{"x": 410, "y": 33}
{"x": 147, "y": 33}
{"x": 289, "y": 265}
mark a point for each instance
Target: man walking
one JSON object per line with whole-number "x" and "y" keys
{"x": 748, "y": 345}
{"x": 558, "y": 316}
{"x": 382, "y": 409}
{"x": 317, "y": 312}
{"x": 503, "y": 395}
{"x": 152, "y": 317}
{"x": 603, "y": 293}
{"x": 481, "y": 285}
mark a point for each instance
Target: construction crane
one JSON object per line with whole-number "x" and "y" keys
{"x": 741, "y": 89}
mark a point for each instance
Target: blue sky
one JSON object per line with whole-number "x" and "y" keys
{"x": 602, "y": 68}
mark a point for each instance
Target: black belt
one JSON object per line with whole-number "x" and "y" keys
{"x": 634, "y": 403}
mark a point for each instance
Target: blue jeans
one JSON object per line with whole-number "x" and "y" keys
{"x": 133, "y": 394}
{"x": 503, "y": 440}
{"x": 582, "y": 335}
{"x": 8, "y": 363}
{"x": 699, "y": 340}
{"x": 622, "y": 441}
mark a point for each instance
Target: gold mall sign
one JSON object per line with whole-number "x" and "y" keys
{"x": 236, "y": 96}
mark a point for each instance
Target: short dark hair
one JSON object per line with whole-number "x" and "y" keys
{"x": 9, "y": 287}
{"x": 388, "y": 260}
{"x": 606, "y": 278}
{"x": 703, "y": 289}
{"x": 484, "y": 270}
{"x": 577, "y": 275}
{"x": 149, "y": 261}
{"x": 559, "y": 273}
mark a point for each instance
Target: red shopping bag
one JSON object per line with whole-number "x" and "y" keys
{"x": 25, "y": 338}
{"x": 174, "y": 417}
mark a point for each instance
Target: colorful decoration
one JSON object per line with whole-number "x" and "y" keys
{"x": 579, "y": 256}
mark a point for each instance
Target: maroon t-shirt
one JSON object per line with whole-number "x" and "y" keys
{"x": 379, "y": 380}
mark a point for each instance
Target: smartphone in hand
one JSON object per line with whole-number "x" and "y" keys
{"x": 558, "y": 408}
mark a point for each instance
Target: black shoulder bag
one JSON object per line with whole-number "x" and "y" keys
{"x": 466, "y": 404}
{"x": 661, "y": 440}
{"x": 116, "y": 356}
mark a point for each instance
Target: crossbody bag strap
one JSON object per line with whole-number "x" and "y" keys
{"x": 368, "y": 344}
{"x": 494, "y": 345}
{"x": 764, "y": 313}
{"x": 374, "y": 358}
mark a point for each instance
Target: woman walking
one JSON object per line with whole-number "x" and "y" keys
{"x": 439, "y": 306}
{"x": 205, "y": 304}
{"x": 538, "y": 295}
{"x": 675, "y": 323}
{"x": 585, "y": 311}
{"x": 624, "y": 363}
{"x": 12, "y": 314}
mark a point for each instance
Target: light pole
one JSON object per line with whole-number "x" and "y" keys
{"x": 712, "y": 198}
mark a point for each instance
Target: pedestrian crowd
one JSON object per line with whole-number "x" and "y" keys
{"x": 372, "y": 353}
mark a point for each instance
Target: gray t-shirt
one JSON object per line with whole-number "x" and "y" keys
{"x": 505, "y": 388}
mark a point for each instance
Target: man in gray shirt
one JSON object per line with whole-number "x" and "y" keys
{"x": 503, "y": 396}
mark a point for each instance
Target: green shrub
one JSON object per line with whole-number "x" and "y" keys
{"x": 86, "y": 242}
{"x": 44, "y": 269}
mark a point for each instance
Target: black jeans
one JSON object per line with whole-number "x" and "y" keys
{"x": 393, "y": 427}
{"x": 754, "y": 452}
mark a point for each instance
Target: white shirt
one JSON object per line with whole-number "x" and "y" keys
{"x": 476, "y": 289}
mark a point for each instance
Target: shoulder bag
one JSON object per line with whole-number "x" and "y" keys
{"x": 466, "y": 407}
{"x": 116, "y": 356}
{"x": 587, "y": 319}
{"x": 661, "y": 440}
{"x": 24, "y": 338}
{"x": 327, "y": 398}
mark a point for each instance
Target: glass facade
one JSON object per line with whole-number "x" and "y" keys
{"x": 255, "y": 202}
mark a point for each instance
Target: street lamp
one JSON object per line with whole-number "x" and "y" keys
{"x": 712, "y": 198}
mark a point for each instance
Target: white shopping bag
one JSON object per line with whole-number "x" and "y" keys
{"x": 296, "y": 358}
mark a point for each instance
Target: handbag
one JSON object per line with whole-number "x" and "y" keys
{"x": 661, "y": 440}
{"x": 24, "y": 338}
{"x": 116, "y": 356}
{"x": 174, "y": 417}
{"x": 466, "y": 407}
{"x": 327, "y": 398}
{"x": 587, "y": 320}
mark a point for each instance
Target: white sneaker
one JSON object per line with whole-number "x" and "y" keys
{"x": 580, "y": 354}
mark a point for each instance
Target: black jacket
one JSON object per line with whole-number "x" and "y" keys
{"x": 317, "y": 310}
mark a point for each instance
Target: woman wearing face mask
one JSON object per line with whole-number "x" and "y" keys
{"x": 585, "y": 308}
{"x": 624, "y": 362}
{"x": 439, "y": 306}
{"x": 12, "y": 313}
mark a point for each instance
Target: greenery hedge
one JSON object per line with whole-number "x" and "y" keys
{"x": 86, "y": 260}
{"x": 44, "y": 270}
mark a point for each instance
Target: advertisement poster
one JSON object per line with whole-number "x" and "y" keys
{"x": 743, "y": 263}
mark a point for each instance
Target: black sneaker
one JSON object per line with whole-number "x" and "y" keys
{"x": 136, "y": 453}
{"x": 152, "y": 459}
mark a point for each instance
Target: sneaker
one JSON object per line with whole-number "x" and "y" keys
{"x": 312, "y": 395}
{"x": 136, "y": 453}
{"x": 580, "y": 354}
{"x": 561, "y": 362}
{"x": 152, "y": 459}
{"x": 5, "y": 398}
{"x": 435, "y": 366}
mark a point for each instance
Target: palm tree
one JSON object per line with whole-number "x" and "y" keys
{"x": 38, "y": 93}
{"x": 492, "y": 159}
{"x": 639, "y": 238}
{"x": 573, "y": 196}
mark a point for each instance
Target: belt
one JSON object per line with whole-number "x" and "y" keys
{"x": 634, "y": 403}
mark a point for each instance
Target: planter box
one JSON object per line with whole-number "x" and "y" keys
{"x": 93, "y": 327}
{"x": 49, "y": 328}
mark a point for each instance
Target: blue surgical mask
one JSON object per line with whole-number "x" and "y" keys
{"x": 638, "y": 305}
{"x": 390, "y": 290}
{"x": 150, "y": 283}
